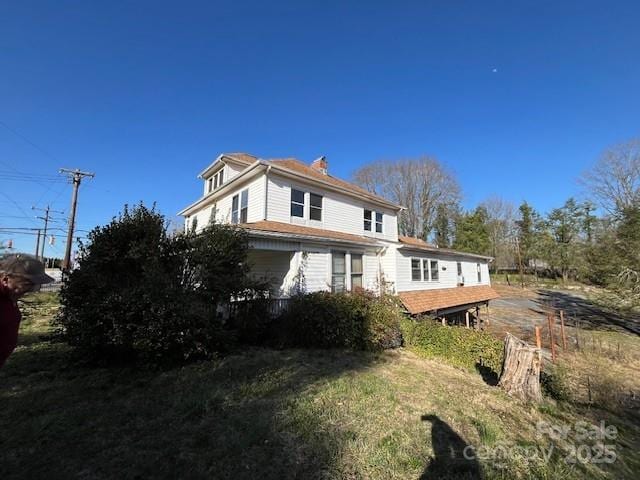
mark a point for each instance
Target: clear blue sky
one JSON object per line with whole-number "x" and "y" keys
{"x": 516, "y": 98}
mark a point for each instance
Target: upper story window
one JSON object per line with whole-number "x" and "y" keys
{"x": 315, "y": 207}
{"x": 378, "y": 222}
{"x": 299, "y": 200}
{"x": 216, "y": 181}
{"x": 367, "y": 220}
{"x": 240, "y": 207}
{"x": 372, "y": 219}
{"x": 297, "y": 203}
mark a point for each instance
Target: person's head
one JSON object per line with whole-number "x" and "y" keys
{"x": 21, "y": 273}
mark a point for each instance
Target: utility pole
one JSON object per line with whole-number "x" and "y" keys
{"x": 46, "y": 219}
{"x": 38, "y": 243}
{"x": 76, "y": 178}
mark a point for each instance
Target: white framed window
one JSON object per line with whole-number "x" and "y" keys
{"x": 297, "y": 203}
{"x": 338, "y": 272}
{"x": 435, "y": 273}
{"x": 315, "y": 207}
{"x": 244, "y": 206}
{"x": 367, "y": 219}
{"x": 240, "y": 207}
{"x": 216, "y": 180}
{"x": 479, "y": 268}
{"x": 416, "y": 270}
{"x": 235, "y": 212}
{"x": 425, "y": 270}
{"x": 356, "y": 271}
{"x": 378, "y": 222}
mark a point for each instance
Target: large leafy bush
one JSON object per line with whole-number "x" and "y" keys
{"x": 461, "y": 347}
{"x": 358, "y": 321}
{"x": 140, "y": 293}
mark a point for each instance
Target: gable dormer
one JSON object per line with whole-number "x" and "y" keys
{"x": 223, "y": 169}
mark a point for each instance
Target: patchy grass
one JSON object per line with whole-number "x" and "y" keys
{"x": 276, "y": 414}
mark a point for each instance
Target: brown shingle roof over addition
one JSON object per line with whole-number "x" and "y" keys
{"x": 419, "y": 244}
{"x": 309, "y": 232}
{"x": 416, "y": 242}
{"x": 421, "y": 301}
{"x": 304, "y": 169}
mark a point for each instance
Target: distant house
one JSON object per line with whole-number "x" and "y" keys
{"x": 310, "y": 231}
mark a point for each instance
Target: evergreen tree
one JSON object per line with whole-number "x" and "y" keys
{"x": 472, "y": 233}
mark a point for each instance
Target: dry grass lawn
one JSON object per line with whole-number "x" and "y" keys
{"x": 278, "y": 414}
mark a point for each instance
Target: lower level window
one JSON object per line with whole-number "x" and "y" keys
{"x": 356, "y": 271}
{"x": 338, "y": 272}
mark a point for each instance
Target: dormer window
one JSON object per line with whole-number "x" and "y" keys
{"x": 216, "y": 181}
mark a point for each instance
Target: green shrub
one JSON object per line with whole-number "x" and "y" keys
{"x": 555, "y": 383}
{"x": 140, "y": 294}
{"x": 461, "y": 347}
{"x": 358, "y": 321}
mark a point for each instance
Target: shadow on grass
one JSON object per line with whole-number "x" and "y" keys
{"x": 488, "y": 375}
{"x": 249, "y": 415}
{"x": 449, "y": 459}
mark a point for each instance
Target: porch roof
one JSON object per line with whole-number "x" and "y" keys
{"x": 420, "y": 301}
{"x": 288, "y": 230}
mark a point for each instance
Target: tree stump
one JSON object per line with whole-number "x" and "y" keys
{"x": 521, "y": 370}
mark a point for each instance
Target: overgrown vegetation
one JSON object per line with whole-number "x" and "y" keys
{"x": 140, "y": 293}
{"x": 359, "y": 321}
{"x": 274, "y": 415}
{"x": 469, "y": 349}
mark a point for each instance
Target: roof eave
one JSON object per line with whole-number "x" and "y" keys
{"x": 314, "y": 238}
{"x": 405, "y": 246}
{"x": 372, "y": 198}
{"x": 216, "y": 193}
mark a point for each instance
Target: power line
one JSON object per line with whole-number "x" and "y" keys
{"x": 33, "y": 144}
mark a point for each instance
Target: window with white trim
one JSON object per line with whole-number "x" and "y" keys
{"x": 216, "y": 180}
{"x": 244, "y": 206}
{"x": 240, "y": 207}
{"x": 297, "y": 203}
{"x": 425, "y": 270}
{"x": 367, "y": 220}
{"x": 338, "y": 272}
{"x": 315, "y": 207}
{"x": 378, "y": 222}
{"x": 416, "y": 273}
{"x": 356, "y": 271}
{"x": 479, "y": 273}
{"x": 435, "y": 274}
{"x": 235, "y": 212}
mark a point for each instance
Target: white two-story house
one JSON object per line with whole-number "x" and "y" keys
{"x": 310, "y": 231}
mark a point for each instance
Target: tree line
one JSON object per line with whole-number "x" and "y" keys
{"x": 596, "y": 240}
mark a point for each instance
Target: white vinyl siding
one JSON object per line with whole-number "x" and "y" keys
{"x": 341, "y": 213}
{"x": 447, "y": 274}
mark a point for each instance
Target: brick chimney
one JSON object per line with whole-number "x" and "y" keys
{"x": 320, "y": 165}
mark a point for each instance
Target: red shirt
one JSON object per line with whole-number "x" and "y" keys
{"x": 9, "y": 324}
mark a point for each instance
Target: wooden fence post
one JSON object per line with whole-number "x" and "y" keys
{"x": 551, "y": 337}
{"x": 538, "y": 337}
{"x": 563, "y": 333}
